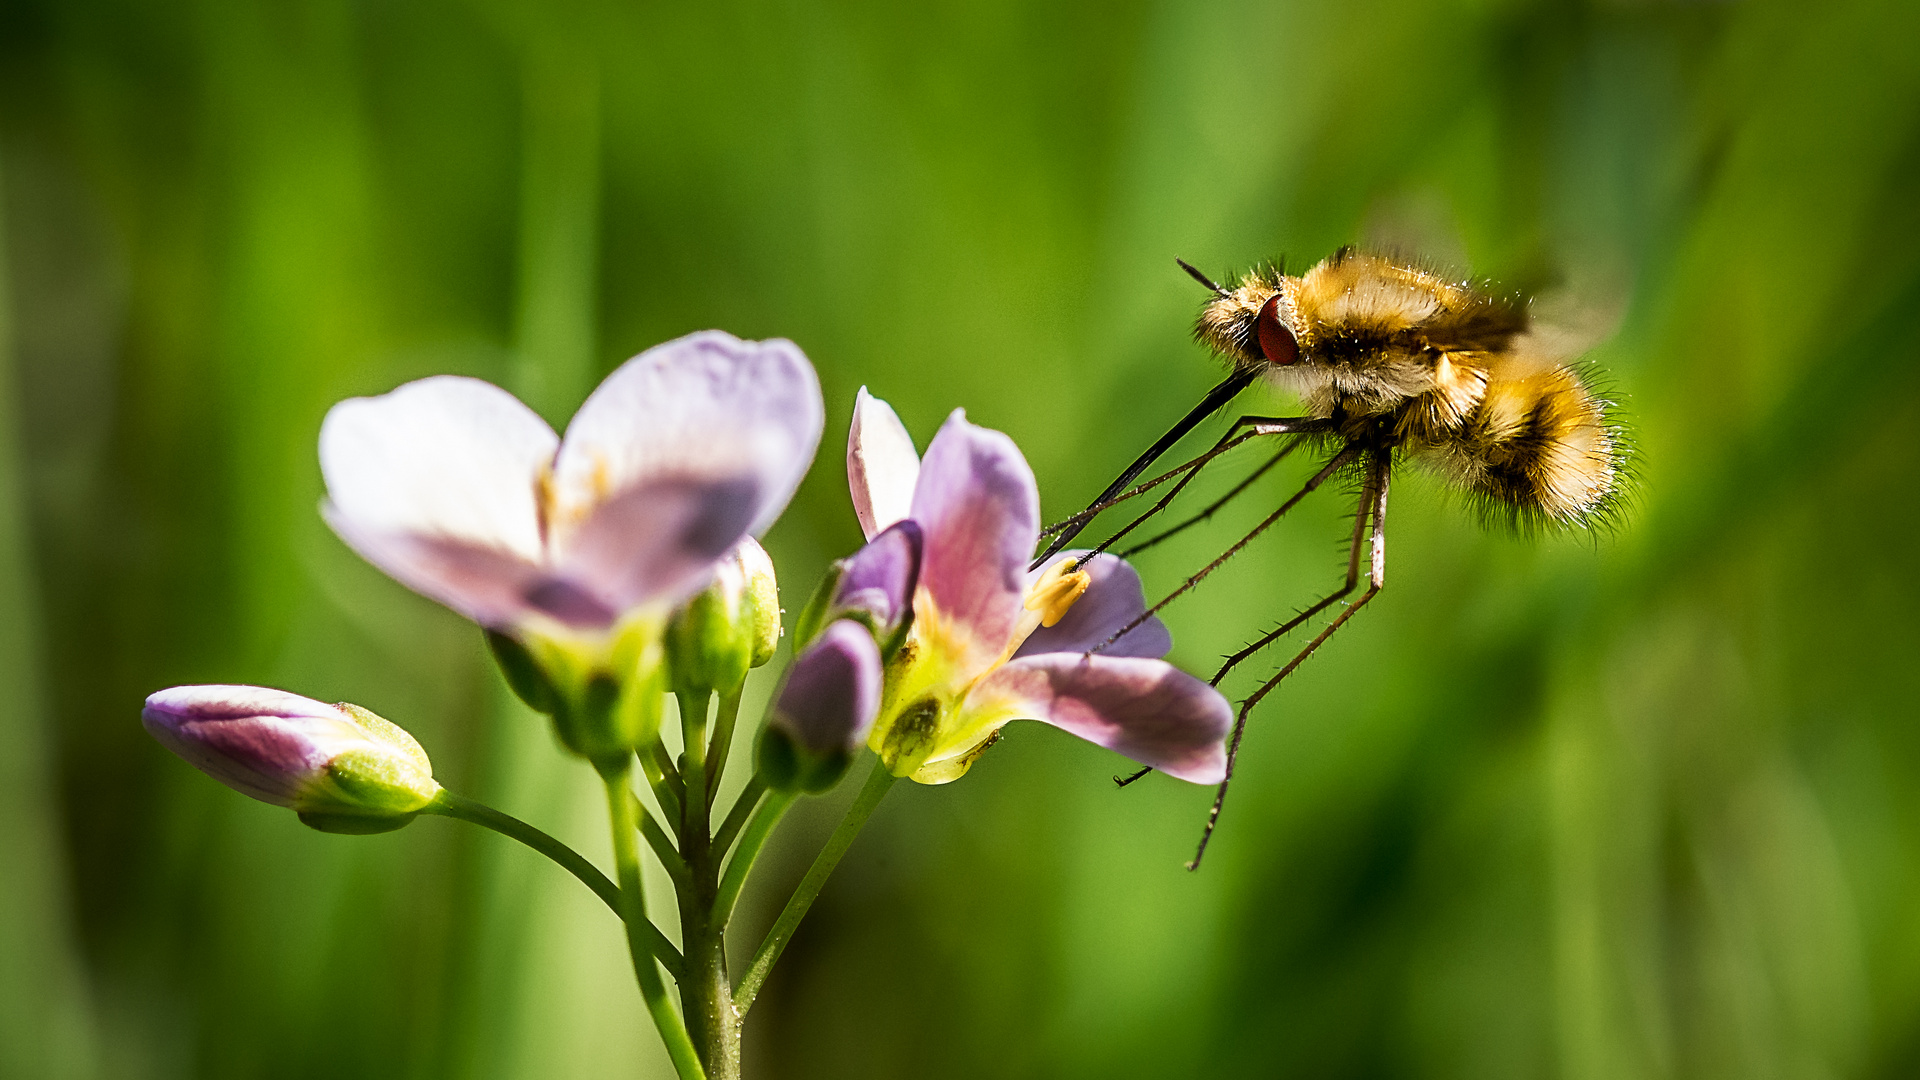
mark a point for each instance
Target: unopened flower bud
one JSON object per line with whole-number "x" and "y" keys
{"x": 762, "y": 604}
{"x": 719, "y": 634}
{"x": 340, "y": 767}
{"x": 874, "y": 587}
{"x": 822, "y": 715}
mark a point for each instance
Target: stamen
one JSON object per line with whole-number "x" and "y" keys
{"x": 1047, "y": 603}
{"x": 1057, "y": 589}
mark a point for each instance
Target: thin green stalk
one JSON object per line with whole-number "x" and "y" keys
{"x": 661, "y": 843}
{"x": 722, "y": 746}
{"x": 737, "y": 817}
{"x": 879, "y": 781}
{"x": 460, "y": 808}
{"x": 633, "y": 903}
{"x": 662, "y": 778}
{"x": 761, "y": 827}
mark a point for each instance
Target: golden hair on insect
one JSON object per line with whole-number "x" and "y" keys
{"x": 1451, "y": 374}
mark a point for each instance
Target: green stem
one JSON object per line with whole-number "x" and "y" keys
{"x": 722, "y": 746}
{"x": 658, "y": 768}
{"x": 661, "y": 843}
{"x": 879, "y": 781}
{"x": 633, "y": 903}
{"x": 737, "y": 817}
{"x": 761, "y": 827}
{"x": 449, "y": 805}
{"x": 693, "y": 736}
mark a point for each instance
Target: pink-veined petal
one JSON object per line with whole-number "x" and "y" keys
{"x": 448, "y": 457}
{"x": 660, "y": 541}
{"x": 1112, "y": 600}
{"x": 979, "y": 509}
{"x": 882, "y": 465}
{"x": 1147, "y": 710}
{"x": 705, "y": 406}
{"x": 492, "y": 587}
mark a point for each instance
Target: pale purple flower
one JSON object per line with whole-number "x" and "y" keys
{"x": 294, "y": 751}
{"x": 465, "y": 495}
{"x": 993, "y": 642}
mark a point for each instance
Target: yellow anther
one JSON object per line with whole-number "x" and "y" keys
{"x": 1057, "y": 589}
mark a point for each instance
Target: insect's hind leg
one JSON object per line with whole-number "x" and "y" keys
{"x": 1375, "y": 493}
{"x": 1363, "y": 515}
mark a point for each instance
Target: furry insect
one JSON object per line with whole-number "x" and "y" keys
{"x": 1393, "y": 363}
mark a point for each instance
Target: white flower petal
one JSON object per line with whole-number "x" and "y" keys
{"x": 451, "y": 458}
{"x": 704, "y": 407}
{"x": 493, "y": 588}
{"x": 882, "y": 465}
{"x": 659, "y": 542}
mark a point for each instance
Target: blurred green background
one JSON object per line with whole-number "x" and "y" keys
{"x": 1641, "y": 807}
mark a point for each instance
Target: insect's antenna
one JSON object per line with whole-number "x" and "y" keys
{"x": 1215, "y": 400}
{"x": 1201, "y": 278}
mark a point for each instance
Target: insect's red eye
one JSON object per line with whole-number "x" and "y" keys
{"x": 1277, "y": 343}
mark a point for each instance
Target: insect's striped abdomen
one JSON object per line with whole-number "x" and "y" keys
{"x": 1537, "y": 444}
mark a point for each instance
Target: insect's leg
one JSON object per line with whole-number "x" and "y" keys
{"x": 1376, "y": 579}
{"x": 1214, "y": 506}
{"x": 1259, "y": 425}
{"x": 1066, "y": 529}
{"x": 1215, "y": 400}
{"x": 1347, "y": 454}
{"x": 1073, "y": 524}
{"x": 1361, "y": 518}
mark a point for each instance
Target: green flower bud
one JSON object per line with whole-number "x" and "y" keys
{"x": 731, "y": 626}
{"x": 762, "y": 604}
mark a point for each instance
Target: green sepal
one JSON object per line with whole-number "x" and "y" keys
{"x": 813, "y": 618}
{"x": 891, "y": 646}
{"x": 522, "y": 673}
{"x": 354, "y": 824}
{"x": 710, "y": 645}
{"x": 785, "y": 766}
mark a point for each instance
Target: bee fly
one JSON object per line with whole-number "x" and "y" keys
{"x": 1392, "y": 363}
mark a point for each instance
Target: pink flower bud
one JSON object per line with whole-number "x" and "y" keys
{"x": 342, "y": 768}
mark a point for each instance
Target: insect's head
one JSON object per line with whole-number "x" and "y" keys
{"x": 1254, "y": 324}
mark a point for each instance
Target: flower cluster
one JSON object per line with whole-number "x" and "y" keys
{"x": 618, "y": 565}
